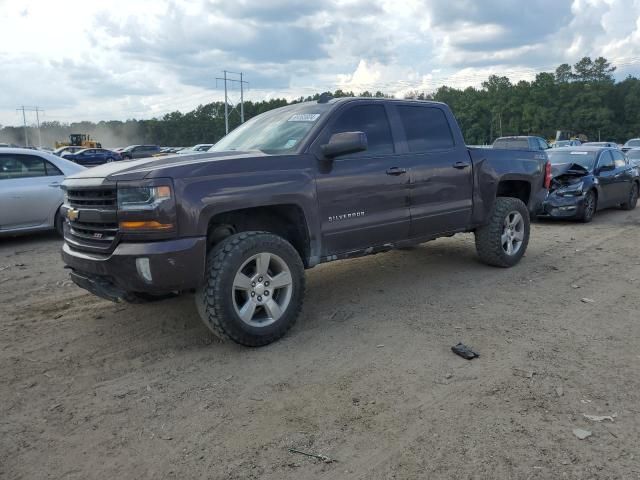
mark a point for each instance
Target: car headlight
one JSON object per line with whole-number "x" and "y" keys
{"x": 142, "y": 198}
{"x": 574, "y": 190}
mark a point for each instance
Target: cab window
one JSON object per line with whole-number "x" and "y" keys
{"x": 426, "y": 128}
{"x": 373, "y": 121}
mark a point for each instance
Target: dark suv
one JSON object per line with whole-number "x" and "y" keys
{"x": 139, "y": 151}
{"x": 289, "y": 189}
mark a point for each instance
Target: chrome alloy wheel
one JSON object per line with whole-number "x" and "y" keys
{"x": 262, "y": 289}
{"x": 512, "y": 233}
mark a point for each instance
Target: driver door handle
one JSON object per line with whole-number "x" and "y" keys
{"x": 460, "y": 165}
{"x": 396, "y": 171}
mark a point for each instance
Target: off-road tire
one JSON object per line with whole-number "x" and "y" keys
{"x": 632, "y": 200}
{"x": 588, "y": 214}
{"x": 488, "y": 237}
{"x": 214, "y": 299}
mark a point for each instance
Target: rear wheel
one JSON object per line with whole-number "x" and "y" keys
{"x": 503, "y": 241}
{"x": 253, "y": 290}
{"x": 590, "y": 204}
{"x": 632, "y": 200}
{"x": 109, "y": 160}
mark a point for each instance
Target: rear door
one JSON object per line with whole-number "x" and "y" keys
{"x": 623, "y": 176}
{"x": 363, "y": 197}
{"x": 27, "y": 194}
{"x": 441, "y": 171}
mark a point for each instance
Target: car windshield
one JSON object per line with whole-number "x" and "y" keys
{"x": 633, "y": 143}
{"x": 276, "y": 131}
{"x": 586, "y": 159}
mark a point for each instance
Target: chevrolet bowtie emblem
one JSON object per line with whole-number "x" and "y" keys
{"x": 72, "y": 214}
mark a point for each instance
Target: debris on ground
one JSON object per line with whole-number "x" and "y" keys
{"x": 600, "y": 418}
{"x": 559, "y": 391}
{"x": 464, "y": 351}
{"x": 587, "y": 300}
{"x": 523, "y": 373}
{"x": 581, "y": 434}
{"x": 380, "y": 346}
{"x": 324, "y": 458}
{"x": 448, "y": 375}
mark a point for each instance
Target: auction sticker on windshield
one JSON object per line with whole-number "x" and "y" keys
{"x": 304, "y": 117}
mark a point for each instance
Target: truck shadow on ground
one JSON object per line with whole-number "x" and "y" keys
{"x": 337, "y": 294}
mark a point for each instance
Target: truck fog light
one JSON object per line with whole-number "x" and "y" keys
{"x": 144, "y": 269}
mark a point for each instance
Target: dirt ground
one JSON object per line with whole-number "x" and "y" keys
{"x": 92, "y": 389}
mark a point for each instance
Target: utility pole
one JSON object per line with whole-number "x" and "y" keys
{"x": 228, "y": 111}
{"x": 24, "y": 121}
{"x": 38, "y": 123}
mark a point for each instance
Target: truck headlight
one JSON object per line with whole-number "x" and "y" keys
{"x": 574, "y": 190}
{"x": 142, "y": 198}
{"x": 146, "y": 209}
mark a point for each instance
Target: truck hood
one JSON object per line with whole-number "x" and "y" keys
{"x": 159, "y": 166}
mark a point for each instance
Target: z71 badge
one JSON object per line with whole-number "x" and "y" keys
{"x": 345, "y": 216}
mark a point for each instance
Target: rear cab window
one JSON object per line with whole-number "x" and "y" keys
{"x": 511, "y": 144}
{"x": 426, "y": 128}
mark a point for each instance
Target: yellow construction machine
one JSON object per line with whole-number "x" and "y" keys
{"x": 79, "y": 140}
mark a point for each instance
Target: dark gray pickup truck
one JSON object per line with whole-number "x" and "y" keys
{"x": 287, "y": 190}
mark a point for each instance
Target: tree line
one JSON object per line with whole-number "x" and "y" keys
{"x": 583, "y": 98}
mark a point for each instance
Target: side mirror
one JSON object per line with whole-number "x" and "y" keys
{"x": 607, "y": 168}
{"x": 343, "y": 143}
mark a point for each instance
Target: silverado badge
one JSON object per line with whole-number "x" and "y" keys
{"x": 72, "y": 214}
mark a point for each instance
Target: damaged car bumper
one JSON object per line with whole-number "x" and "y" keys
{"x": 556, "y": 206}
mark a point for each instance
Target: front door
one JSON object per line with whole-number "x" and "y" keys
{"x": 363, "y": 198}
{"x": 609, "y": 188}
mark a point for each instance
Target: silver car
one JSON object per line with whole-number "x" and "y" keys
{"x": 30, "y": 194}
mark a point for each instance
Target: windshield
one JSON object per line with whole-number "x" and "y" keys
{"x": 276, "y": 131}
{"x": 585, "y": 159}
{"x": 633, "y": 143}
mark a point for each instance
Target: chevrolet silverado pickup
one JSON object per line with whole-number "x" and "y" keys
{"x": 289, "y": 189}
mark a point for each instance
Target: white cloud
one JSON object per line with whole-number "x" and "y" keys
{"x": 90, "y": 59}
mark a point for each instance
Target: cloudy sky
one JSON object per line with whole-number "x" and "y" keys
{"x": 118, "y": 59}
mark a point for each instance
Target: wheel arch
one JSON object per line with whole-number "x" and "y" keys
{"x": 287, "y": 220}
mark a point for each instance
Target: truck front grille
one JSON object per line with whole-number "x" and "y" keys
{"x": 96, "y": 227}
{"x": 102, "y": 198}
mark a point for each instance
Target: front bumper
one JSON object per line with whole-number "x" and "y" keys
{"x": 556, "y": 206}
{"x": 155, "y": 268}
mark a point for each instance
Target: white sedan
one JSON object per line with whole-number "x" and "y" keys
{"x": 30, "y": 193}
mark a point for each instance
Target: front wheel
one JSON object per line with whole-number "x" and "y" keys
{"x": 503, "y": 241}
{"x": 632, "y": 199}
{"x": 589, "y": 206}
{"x": 253, "y": 289}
